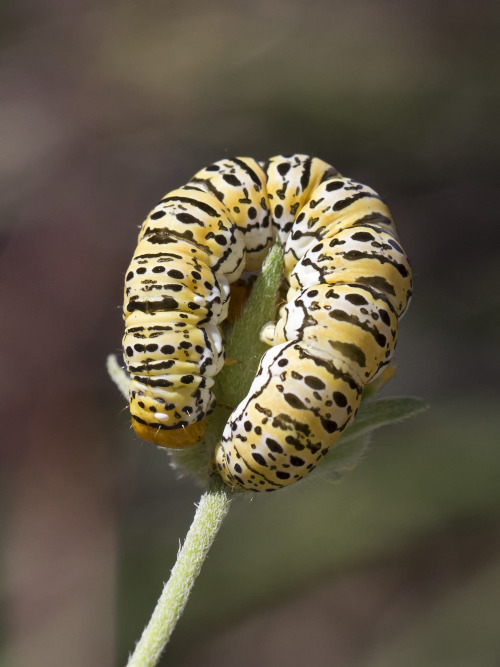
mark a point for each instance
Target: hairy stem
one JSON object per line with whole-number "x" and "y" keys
{"x": 212, "y": 509}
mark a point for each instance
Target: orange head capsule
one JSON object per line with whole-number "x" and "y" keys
{"x": 171, "y": 438}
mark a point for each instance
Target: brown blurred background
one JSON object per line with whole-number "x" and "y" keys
{"x": 104, "y": 107}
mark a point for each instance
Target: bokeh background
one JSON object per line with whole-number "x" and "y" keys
{"x": 104, "y": 107}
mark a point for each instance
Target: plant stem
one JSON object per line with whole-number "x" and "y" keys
{"x": 213, "y": 507}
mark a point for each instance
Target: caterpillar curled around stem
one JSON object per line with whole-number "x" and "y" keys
{"x": 348, "y": 282}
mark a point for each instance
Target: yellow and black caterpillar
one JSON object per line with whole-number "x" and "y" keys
{"x": 348, "y": 284}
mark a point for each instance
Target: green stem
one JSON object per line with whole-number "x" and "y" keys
{"x": 213, "y": 507}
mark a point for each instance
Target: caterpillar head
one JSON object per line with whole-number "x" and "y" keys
{"x": 172, "y": 438}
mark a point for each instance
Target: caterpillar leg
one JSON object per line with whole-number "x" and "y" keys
{"x": 172, "y": 438}
{"x": 268, "y": 332}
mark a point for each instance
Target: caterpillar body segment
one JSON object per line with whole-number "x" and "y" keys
{"x": 349, "y": 282}
{"x": 290, "y": 182}
{"x": 176, "y": 294}
{"x": 267, "y": 445}
{"x": 240, "y": 185}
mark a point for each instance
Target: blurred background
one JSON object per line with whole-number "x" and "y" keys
{"x": 104, "y": 107}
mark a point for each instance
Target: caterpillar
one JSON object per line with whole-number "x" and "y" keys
{"x": 348, "y": 283}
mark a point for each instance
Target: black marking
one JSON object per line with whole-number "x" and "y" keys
{"x": 232, "y": 180}
{"x": 209, "y": 210}
{"x": 340, "y": 399}
{"x": 175, "y": 273}
{"x": 283, "y": 168}
{"x": 274, "y": 446}
{"x": 294, "y": 401}
{"x": 314, "y": 382}
{"x": 344, "y": 203}
{"x": 249, "y": 171}
{"x": 306, "y": 174}
{"x": 334, "y": 185}
{"x": 296, "y": 461}
{"x": 167, "y": 303}
{"x": 356, "y": 299}
{"x": 258, "y": 458}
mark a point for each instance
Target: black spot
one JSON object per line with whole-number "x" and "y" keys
{"x": 187, "y": 379}
{"x": 296, "y": 461}
{"x": 158, "y": 269}
{"x": 185, "y": 345}
{"x": 278, "y": 211}
{"x": 187, "y": 218}
{"x": 157, "y": 215}
{"x": 384, "y": 316}
{"x": 238, "y": 468}
{"x": 356, "y": 299}
{"x": 167, "y": 349}
{"x": 282, "y": 362}
{"x": 141, "y": 270}
{"x": 282, "y": 475}
{"x": 283, "y": 168}
{"x": 252, "y": 212}
{"x": 334, "y": 185}
{"x": 130, "y": 275}
{"x": 329, "y": 425}
{"x": 231, "y": 179}
{"x": 174, "y": 273}
{"x": 152, "y": 347}
{"x": 314, "y": 382}
{"x": 294, "y": 401}
{"x": 274, "y": 446}
{"x": 221, "y": 239}
{"x": 340, "y": 399}
{"x": 363, "y": 236}
{"x": 196, "y": 275}
{"x": 129, "y": 351}
{"x": 138, "y": 347}
{"x": 258, "y": 458}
